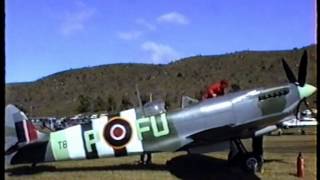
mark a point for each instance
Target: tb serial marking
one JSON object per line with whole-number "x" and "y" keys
{"x": 199, "y": 128}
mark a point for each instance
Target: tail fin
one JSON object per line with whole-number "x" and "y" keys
{"x": 18, "y": 130}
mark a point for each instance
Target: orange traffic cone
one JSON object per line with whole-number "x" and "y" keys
{"x": 300, "y": 165}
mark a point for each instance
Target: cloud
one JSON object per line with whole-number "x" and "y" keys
{"x": 129, "y": 35}
{"x": 146, "y": 24}
{"x": 135, "y": 34}
{"x": 173, "y": 17}
{"x": 75, "y": 21}
{"x": 160, "y": 53}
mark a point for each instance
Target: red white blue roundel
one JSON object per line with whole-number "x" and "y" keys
{"x": 117, "y": 132}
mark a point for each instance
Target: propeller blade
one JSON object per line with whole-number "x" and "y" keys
{"x": 303, "y": 69}
{"x": 289, "y": 73}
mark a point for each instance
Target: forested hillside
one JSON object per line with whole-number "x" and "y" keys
{"x": 112, "y": 87}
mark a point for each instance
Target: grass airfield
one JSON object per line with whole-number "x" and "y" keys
{"x": 280, "y": 153}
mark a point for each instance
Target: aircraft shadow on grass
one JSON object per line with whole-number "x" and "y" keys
{"x": 275, "y": 160}
{"x": 184, "y": 167}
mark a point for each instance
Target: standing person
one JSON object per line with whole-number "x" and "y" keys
{"x": 216, "y": 89}
{"x": 142, "y": 156}
{"x": 143, "y": 160}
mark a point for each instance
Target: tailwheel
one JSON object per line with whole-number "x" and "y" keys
{"x": 33, "y": 165}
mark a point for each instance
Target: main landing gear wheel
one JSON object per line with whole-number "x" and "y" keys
{"x": 251, "y": 164}
{"x": 249, "y": 161}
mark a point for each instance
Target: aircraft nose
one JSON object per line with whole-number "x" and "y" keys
{"x": 306, "y": 90}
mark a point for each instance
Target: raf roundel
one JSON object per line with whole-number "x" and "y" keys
{"x": 117, "y": 132}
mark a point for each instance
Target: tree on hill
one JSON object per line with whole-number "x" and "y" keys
{"x": 198, "y": 94}
{"x": 144, "y": 99}
{"x": 111, "y": 104}
{"x": 168, "y": 104}
{"x": 234, "y": 88}
{"x": 125, "y": 103}
{"x": 99, "y": 104}
{"x": 84, "y": 104}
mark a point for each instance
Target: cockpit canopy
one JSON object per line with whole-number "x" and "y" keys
{"x": 154, "y": 108}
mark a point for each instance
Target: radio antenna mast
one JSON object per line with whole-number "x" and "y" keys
{"x": 139, "y": 99}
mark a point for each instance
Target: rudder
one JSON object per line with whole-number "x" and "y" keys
{"x": 18, "y": 129}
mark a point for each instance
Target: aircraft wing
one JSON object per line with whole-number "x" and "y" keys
{"x": 209, "y": 140}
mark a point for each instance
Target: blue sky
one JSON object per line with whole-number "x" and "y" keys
{"x": 48, "y": 36}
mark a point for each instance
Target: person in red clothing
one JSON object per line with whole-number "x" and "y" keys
{"x": 216, "y": 89}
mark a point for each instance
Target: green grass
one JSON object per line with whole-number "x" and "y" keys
{"x": 280, "y": 163}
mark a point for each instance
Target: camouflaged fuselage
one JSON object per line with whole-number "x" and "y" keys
{"x": 235, "y": 115}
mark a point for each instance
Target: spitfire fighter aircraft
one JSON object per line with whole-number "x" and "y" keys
{"x": 202, "y": 127}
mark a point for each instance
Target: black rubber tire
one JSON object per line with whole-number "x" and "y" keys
{"x": 251, "y": 163}
{"x": 33, "y": 165}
